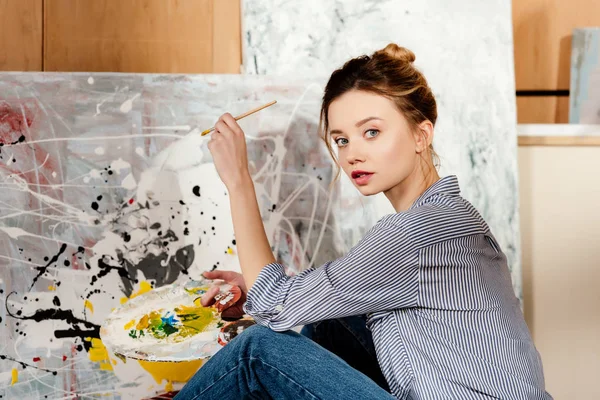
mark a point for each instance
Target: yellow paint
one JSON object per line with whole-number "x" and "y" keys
{"x": 150, "y": 319}
{"x": 98, "y": 353}
{"x": 171, "y": 371}
{"x": 194, "y": 319}
{"x": 106, "y": 367}
{"x": 129, "y": 325}
{"x": 51, "y": 288}
{"x": 229, "y": 250}
{"x": 197, "y": 290}
{"x": 169, "y": 387}
{"x": 15, "y": 376}
{"x": 88, "y": 304}
{"x": 145, "y": 287}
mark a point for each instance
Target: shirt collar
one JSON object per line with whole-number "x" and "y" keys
{"x": 447, "y": 185}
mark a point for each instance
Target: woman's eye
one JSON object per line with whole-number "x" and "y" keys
{"x": 372, "y": 132}
{"x": 341, "y": 142}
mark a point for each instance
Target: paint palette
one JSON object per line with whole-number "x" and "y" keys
{"x": 166, "y": 324}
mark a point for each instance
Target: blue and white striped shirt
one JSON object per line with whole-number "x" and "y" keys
{"x": 437, "y": 293}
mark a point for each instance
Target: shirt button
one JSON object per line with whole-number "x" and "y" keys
{"x": 279, "y": 308}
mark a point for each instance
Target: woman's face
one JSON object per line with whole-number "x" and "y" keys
{"x": 377, "y": 149}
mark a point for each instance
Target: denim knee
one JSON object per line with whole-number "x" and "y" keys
{"x": 254, "y": 335}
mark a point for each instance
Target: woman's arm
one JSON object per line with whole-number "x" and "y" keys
{"x": 380, "y": 273}
{"x": 254, "y": 250}
{"x": 228, "y": 148}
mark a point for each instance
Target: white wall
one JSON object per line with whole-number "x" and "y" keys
{"x": 560, "y": 232}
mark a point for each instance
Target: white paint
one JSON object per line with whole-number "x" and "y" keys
{"x": 67, "y": 211}
{"x": 54, "y": 174}
{"x": 128, "y": 104}
{"x": 96, "y": 174}
{"x": 90, "y": 80}
{"x": 129, "y": 182}
{"x": 140, "y": 152}
{"x": 182, "y": 154}
{"x": 123, "y": 136}
{"x": 119, "y": 165}
{"x": 167, "y": 128}
{"x": 99, "y": 151}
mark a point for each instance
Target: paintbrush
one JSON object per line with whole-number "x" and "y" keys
{"x": 182, "y": 146}
{"x": 206, "y": 132}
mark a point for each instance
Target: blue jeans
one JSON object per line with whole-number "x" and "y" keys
{"x": 263, "y": 364}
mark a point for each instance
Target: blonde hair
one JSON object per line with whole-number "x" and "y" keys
{"x": 388, "y": 72}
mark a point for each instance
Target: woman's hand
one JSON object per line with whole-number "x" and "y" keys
{"x": 228, "y": 148}
{"x": 234, "y": 311}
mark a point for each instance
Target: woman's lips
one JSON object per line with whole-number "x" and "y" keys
{"x": 361, "y": 177}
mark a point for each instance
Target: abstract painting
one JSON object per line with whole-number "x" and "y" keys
{"x": 108, "y": 191}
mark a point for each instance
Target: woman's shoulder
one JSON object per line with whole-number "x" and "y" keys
{"x": 439, "y": 219}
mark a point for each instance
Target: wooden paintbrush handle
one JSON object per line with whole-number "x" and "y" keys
{"x": 257, "y": 109}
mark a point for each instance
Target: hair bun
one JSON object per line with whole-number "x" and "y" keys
{"x": 394, "y": 51}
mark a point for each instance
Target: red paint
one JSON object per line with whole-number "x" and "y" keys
{"x": 13, "y": 122}
{"x": 64, "y": 358}
{"x": 130, "y": 201}
{"x": 36, "y": 359}
{"x": 20, "y": 120}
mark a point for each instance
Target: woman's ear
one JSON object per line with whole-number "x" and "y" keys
{"x": 423, "y": 136}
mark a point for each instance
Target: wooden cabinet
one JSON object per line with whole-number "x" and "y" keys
{"x": 164, "y": 36}
{"x": 154, "y": 36}
{"x": 20, "y": 35}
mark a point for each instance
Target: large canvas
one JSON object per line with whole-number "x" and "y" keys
{"x": 584, "y": 98}
{"x": 101, "y": 201}
{"x": 465, "y": 50}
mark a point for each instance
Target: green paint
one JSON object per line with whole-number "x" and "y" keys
{"x": 184, "y": 322}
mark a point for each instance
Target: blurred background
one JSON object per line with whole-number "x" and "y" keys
{"x": 557, "y": 75}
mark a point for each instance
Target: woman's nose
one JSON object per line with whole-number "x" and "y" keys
{"x": 354, "y": 155}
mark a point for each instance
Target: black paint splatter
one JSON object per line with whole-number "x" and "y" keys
{"x": 42, "y": 270}
{"x": 152, "y": 268}
{"x": 25, "y": 365}
{"x": 79, "y": 327}
{"x": 196, "y": 190}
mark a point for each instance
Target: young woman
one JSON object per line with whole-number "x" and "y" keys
{"x": 427, "y": 290}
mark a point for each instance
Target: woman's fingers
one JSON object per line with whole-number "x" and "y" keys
{"x": 208, "y": 298}
{"x": 222, "y": 128}
{"x": 232, "y": 124}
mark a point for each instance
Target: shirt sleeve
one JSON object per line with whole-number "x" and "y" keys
{"x": 380, "y": 273}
